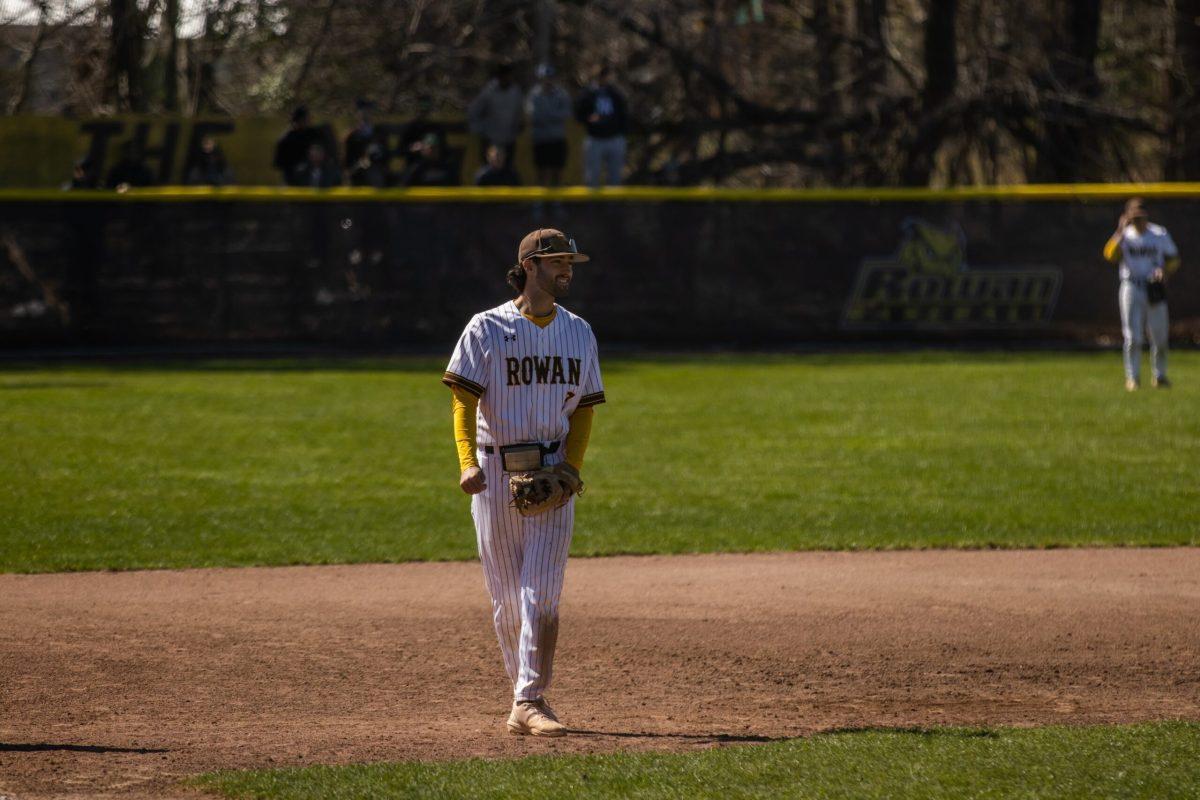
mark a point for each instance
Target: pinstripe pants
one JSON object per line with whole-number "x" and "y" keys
{"x": 524, "y": 560}
{"x": 1137, "y": 317}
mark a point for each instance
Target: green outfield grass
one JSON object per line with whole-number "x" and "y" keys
{"x": 307, "y": 462}
{"x": 1156, "y": 762}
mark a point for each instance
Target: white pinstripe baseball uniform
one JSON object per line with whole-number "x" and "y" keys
{"x": 1141, "y": 255}
{"x": 529, "y": 380}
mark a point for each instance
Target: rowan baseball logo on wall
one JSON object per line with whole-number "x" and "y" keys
{"x": 928, "y": 285}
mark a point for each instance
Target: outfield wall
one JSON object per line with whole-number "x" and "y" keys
{"x": 688, "y": 267}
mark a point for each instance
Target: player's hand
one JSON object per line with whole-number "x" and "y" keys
{"x": 472, "y": 480}
{"x": 1158, "y": 275}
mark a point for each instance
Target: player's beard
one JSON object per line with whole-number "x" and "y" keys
{"x": 547, "y": 283}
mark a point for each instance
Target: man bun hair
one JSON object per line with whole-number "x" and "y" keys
{"x": 515, "y": 277}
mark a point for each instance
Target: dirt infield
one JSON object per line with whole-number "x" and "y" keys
{"x": 120, "y": 683}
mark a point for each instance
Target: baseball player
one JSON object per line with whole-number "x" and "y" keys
{"x": 1147, "y": 257}
{"x": 525, "y": 378}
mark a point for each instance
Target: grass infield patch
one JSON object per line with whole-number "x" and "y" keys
{"x": 1156, "y": 761}
{"x": 304, "y": 462}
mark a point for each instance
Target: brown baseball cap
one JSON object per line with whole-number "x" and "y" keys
{"x": 549, "y": 242}
{"x": 1136, "y": 207}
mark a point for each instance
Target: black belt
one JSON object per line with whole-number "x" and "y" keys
{"x": 547, "y": 449}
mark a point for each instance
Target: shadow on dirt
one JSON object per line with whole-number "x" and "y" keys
{"x": 43, "y": 747}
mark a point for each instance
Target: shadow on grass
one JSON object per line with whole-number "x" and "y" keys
{"x": 433, "y": 358}
{"x": 694, "y": 737}
{"x": 181, "y": 362}
{"x": 719, "y": 738}
{"x": 9, "y": 386}
{"x": 948, "y": 733}
{"x": 45, "y": 747}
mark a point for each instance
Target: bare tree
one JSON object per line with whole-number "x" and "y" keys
{"x": 799, "y": 93}
{"x": 1183, "y": 149}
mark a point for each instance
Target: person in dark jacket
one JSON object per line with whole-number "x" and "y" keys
{"x": 497, "y": 172}
{"x": 602, "y": 110}
{"x": 430, "y": 167}
{"x": 208, "y": 166}
{"x": 131, "y": 170}
{"x": 366, "y": 150}
{"x": 83, "y": 175}
{"x": 291, "y": 150}
{"x": 417, "y": 129}
{"x": 318, "y": 170}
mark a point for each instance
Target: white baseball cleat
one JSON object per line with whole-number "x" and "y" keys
{"x": 529, "y": 718}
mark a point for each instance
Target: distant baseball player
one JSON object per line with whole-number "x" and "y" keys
{"x": 1147, "y": 257}
{"x": 525, "y": 376}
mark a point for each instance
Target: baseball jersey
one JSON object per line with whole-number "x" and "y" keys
{"x": 1141, "y": 254}
{"x": 529, "y": 380}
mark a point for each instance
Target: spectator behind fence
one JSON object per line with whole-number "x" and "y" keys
{"x": 130, "y": 170}
{"x": 430, "y": 167}
{"x": 417, "y": 129}
{"x": 207, "y": 165}
{"x": 495, "y": 113}
{"x": 602, "y": 110}
{"x": 548, "y": 107}
{"x": 318, "y": 170}
{"x": 291, "y": 150}
{"x": 497, "y": 171}
{"x": 83, "y": 175}
{"x": 366, "y": 151}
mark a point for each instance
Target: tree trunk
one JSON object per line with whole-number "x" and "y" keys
{"x": 1183, "y": 154}
{"x": 1071, "y": 148}
{"x": 171, "y": 67}
{"x": 124, "y": 86}
{"x": 315, "y": 48}
{"x": 19, "y": 100}
{"x": 828, "y": 99}
{"x": 941, "y": 78}
{"x": 869, "y": 20}
{"x": 941, "y": 58}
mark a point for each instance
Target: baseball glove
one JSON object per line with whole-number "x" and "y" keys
{"x": 1156, "y": 291}
{"x": 544, "y": 490}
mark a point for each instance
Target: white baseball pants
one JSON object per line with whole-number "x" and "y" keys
{"x": 524, "y": 560}
{"x": 1138, "y": 316}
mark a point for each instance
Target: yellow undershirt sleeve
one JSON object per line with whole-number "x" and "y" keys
{"x": 1171, "y": 265}
{"x": 1112, "y": 252}
{"x": 464, "y": 406}
{"x": 578, "y": 435}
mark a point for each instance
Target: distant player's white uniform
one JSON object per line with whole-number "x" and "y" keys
{"x": 529, "y": 381}
{"x": 1141, "y": 254}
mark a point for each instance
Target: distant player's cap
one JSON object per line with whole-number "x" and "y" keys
{"x": 1136, "y": 207}
{"x": 548, "y": 242}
